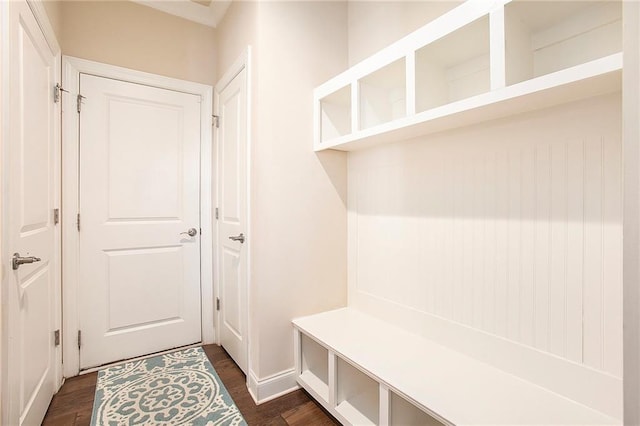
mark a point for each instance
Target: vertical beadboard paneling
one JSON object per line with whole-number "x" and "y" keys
{"x": 468, "y": 224}
{"x": 593, "y": 271}
{"x": 477, "y": 279}
{"x": 511, "y": 227}
{"x": 490, "y": 226}
{"x": 527, "y": 271}
{"x": 542, "y": 247}
{"x": 575, "y": 247}
{"x": 612, "y": 251}
{"x": 514, "y": 242}
{"x": 502, "y": 236}
{"x": 558, "y": 290}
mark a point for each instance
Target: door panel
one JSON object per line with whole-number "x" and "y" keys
{"x": 139, "y": 191}
{"x": 32, "y": 188}
{"x": 232, "y": 195}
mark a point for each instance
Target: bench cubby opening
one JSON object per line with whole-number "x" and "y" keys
{"x": 314, "y": 366}
{"x": 358, "y": 396}
{"x": 402, "y": 412}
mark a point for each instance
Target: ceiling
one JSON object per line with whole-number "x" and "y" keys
{"x": 206, "y": 12}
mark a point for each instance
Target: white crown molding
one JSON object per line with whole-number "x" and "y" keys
{"x": 187, "y": 9}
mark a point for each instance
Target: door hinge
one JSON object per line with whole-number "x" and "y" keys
{"x": 79, "y": 102}
{"x": 216, "y": 213}
{"x": 79, "y": 339}
{"x": 78, "y": 222}
{"x": 57, "y": 92}
{"x": 56, "y": 216}
{"x": 216, "y": 120}
{"x": 217, "y": 303}
{"x": 56, "y": 337}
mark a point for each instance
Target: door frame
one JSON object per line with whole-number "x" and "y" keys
{"x": 71, "y": 69}
{"x": 243, "y": 62}
{"x": 41, "y": 17}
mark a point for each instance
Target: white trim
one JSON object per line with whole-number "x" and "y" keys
{"x": 72, "y": 68}
{"x": 209, "y": 15}
{"x": 37, "y": 8}
{"x": 242, "y": 63}
{"x": 272, "y": 387}
{"x": 4, "y": 219}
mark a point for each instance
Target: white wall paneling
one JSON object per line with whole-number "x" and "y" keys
{"x": 511, "y": 228}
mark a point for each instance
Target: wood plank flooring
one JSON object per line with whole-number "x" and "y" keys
{"x": 72, "y": 405}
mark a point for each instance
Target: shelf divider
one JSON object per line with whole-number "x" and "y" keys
{"x": 497, "y": 49}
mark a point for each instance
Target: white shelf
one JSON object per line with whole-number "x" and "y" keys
{"x": 479, "y": 62}
{"x": 451, "y": 387}
{"x": 357, "y": 395}
{"x": 404, "y": 413}
{"x": 594, "y": 78}
{"x": 314, "y": 369}
{"x": 314, "y": 384}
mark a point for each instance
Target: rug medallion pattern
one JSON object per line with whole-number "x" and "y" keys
{"x": 178, "y": 388}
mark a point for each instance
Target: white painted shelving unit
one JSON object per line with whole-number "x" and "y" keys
{"x": 365, "y": 371}
{"x": 481, "y": 61}
{"x": 485, "y": 59}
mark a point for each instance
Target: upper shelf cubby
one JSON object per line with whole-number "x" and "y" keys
{"x": 546, "y": 37}
{"x": 481, "y": 61}
{"x": 383, "y": 95}
{"x": 454, "y": 67}
{"x": 335, "y": 117}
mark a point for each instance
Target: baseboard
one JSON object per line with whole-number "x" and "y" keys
{"x": 263, "y": 390}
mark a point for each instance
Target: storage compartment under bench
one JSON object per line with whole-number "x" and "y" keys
{"x": 366, "y": 371}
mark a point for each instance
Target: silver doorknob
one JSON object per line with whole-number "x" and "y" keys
{"x": 18, "y": 260}
{"x": 237, "y": 238}
{"x": 192, "y": 232}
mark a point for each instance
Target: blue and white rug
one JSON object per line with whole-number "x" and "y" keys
{"x": 178, "y": 388}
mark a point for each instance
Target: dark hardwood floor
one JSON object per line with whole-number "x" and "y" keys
{"x": 72, "y": 405}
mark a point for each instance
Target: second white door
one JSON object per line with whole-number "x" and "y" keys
{"x": 139, "y": 220}
{"x": 232, "y": 218}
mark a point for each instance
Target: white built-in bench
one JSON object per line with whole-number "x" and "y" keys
{"x": 365, "y": 371}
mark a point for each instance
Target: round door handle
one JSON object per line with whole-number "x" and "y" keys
{"x": 192, "y": 232}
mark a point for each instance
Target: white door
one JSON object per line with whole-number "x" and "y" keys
{"x": 232, "y": 218}
{"x": 139, "y": 197}
{"x": 32, "y": 185}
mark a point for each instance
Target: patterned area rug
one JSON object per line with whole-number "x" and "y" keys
{"x": 178, "y": 388}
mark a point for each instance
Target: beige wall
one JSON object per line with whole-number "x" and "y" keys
{"x": 54, "y": 13}
{"x": 237, "y": 30}
{"x": 133, "y": 36}
{"x": 299, "y": 198}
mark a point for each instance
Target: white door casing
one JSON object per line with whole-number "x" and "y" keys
{"x": 233, "y": 195}
{"x": 31, "y": 158}
{"x": 74, "y": 71}
{"x": 139, "y": 196}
